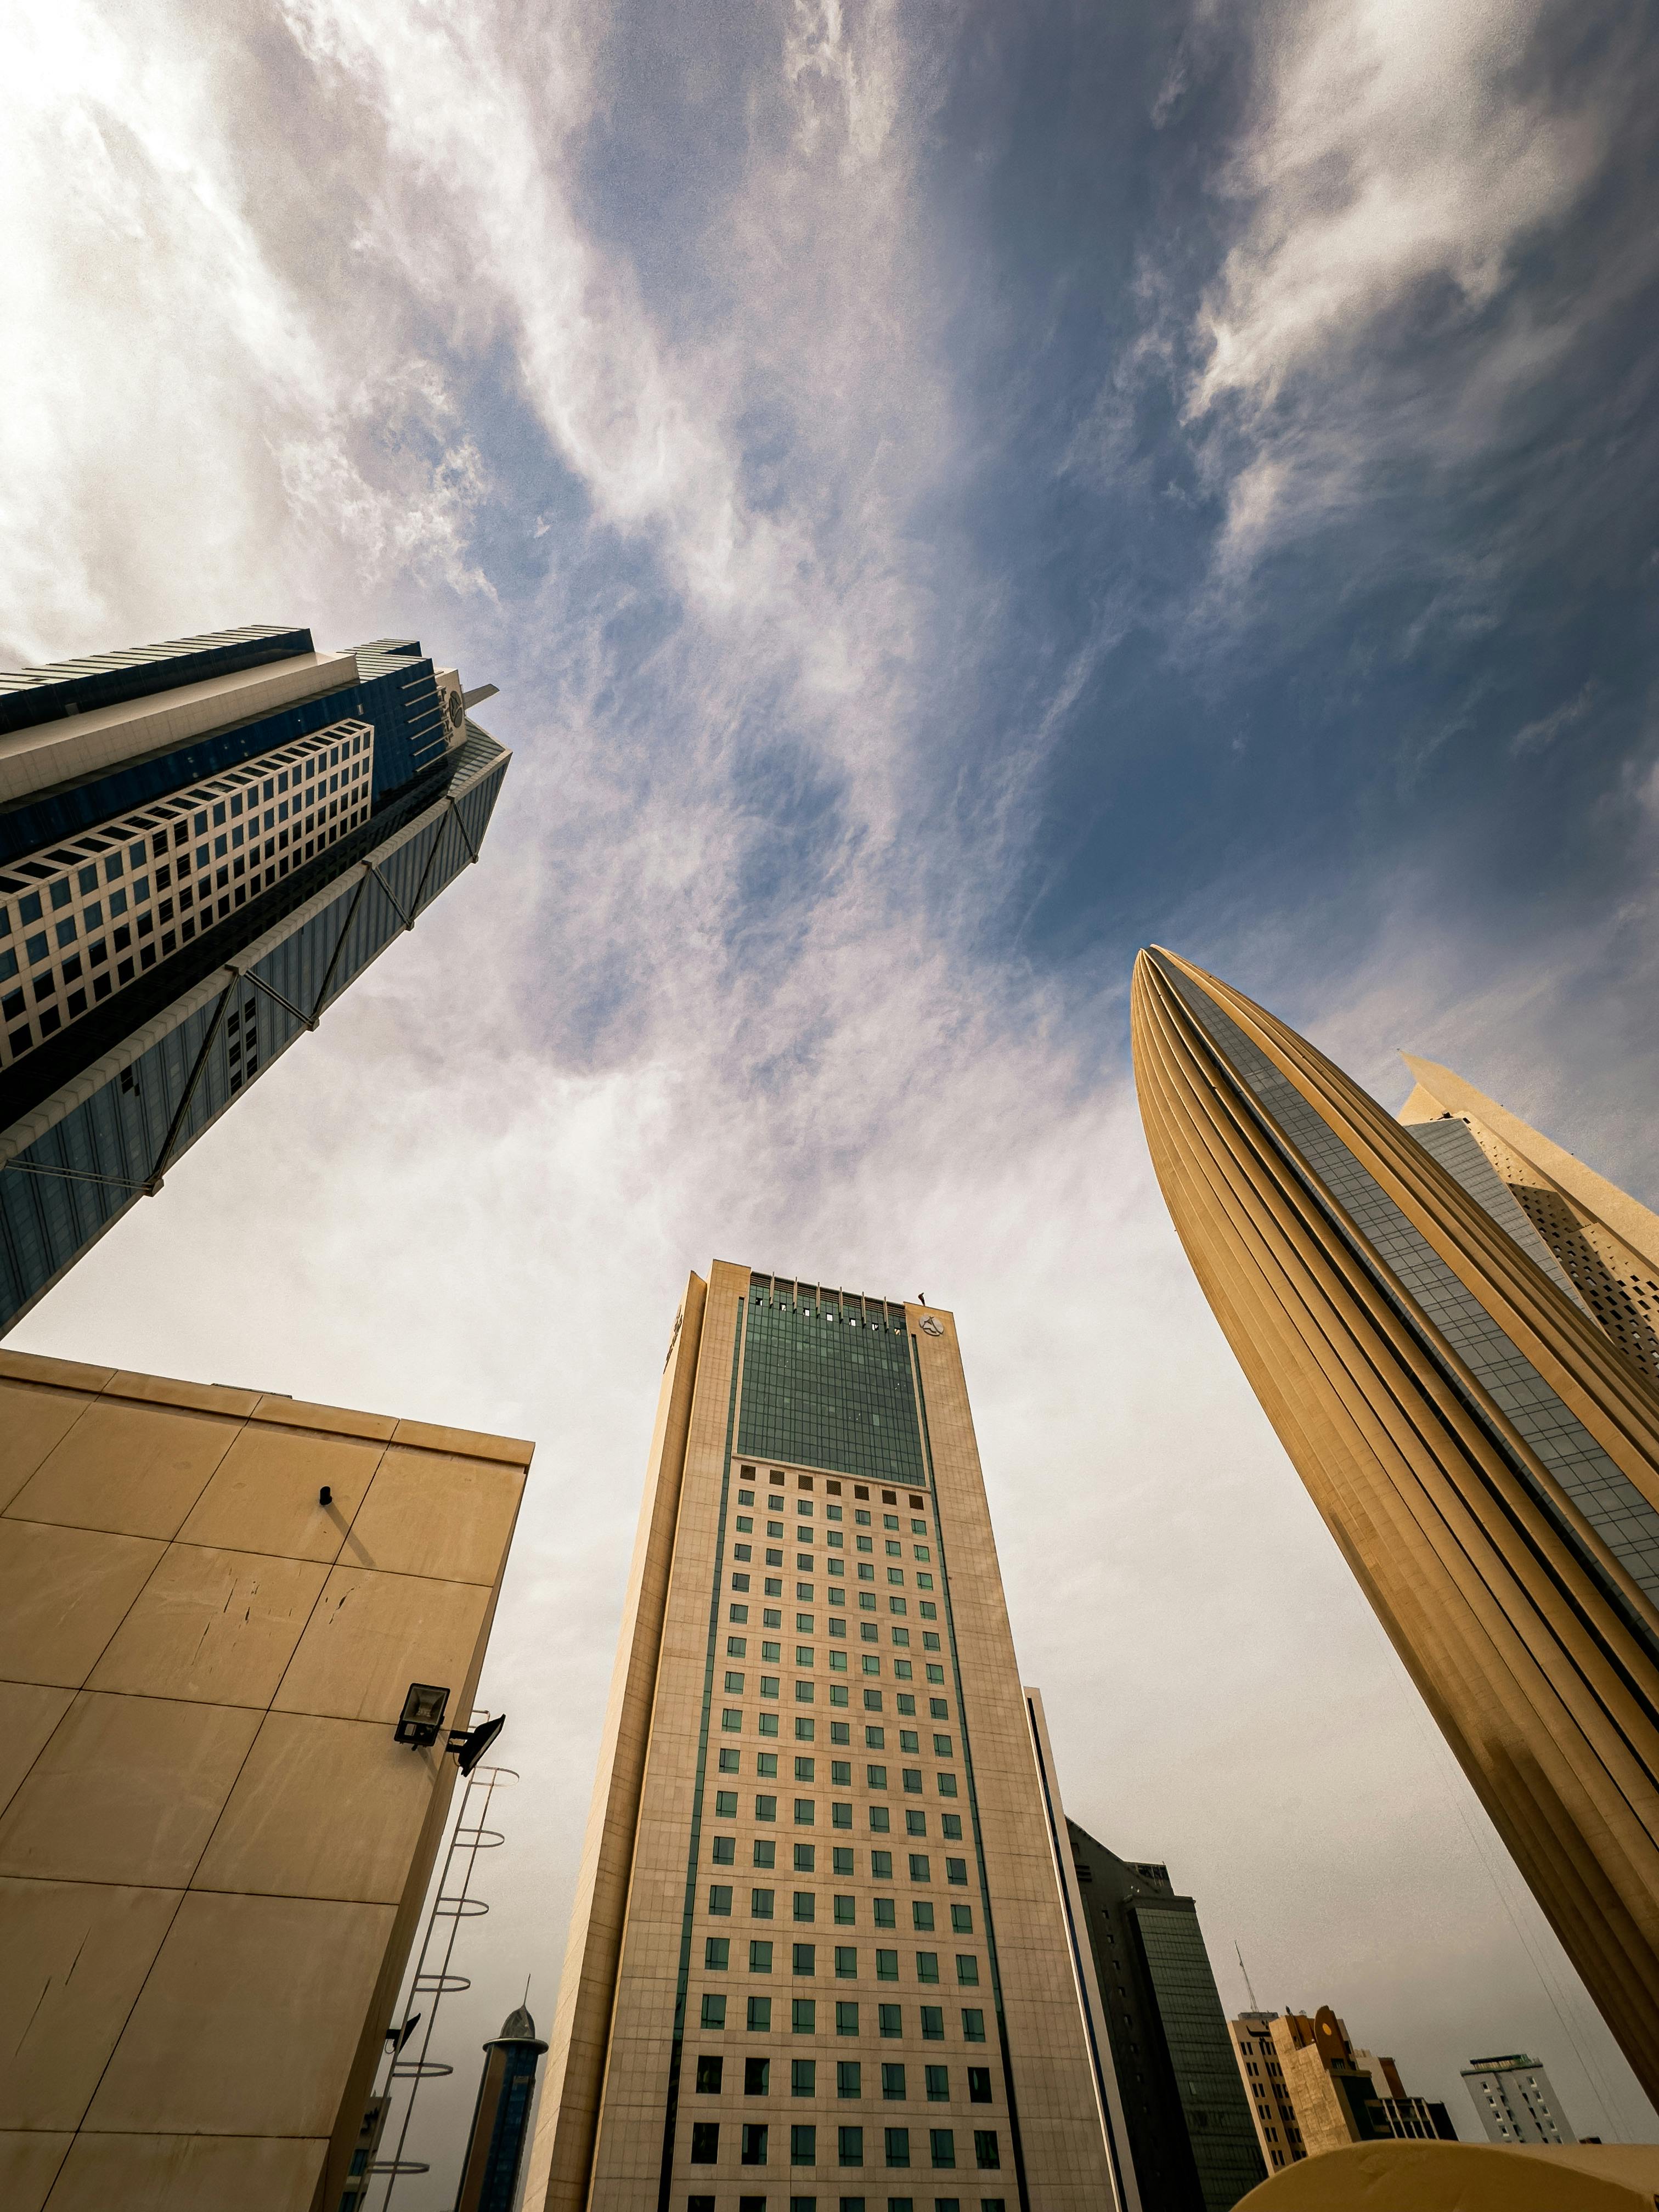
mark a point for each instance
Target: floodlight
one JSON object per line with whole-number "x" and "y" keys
{"x": 423, "y": 1717}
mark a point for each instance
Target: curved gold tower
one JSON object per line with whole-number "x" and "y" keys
{"x": 1485, "y": 1457}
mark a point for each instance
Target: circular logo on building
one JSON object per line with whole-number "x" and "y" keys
{"x": 930, "y": 1327}
{"x": 456, "y": 709}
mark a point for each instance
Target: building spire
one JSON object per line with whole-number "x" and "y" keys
{"x": 1245, "y": 1971}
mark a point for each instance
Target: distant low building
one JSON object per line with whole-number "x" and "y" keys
{"x": 1516, "y": 2102}
{"x": 1312, "y": 2091}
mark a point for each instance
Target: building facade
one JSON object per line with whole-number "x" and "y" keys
{"x": 818, "y": 1957}
{"x": 1312, "y": 2091}
{"x": 212, "y": 1852}
{"x": 202, "y": 845}
{"x": 1263, "y": 2072}
{"x": 1515, "y": 2100}
{"x": 1188, "y": 2123}
{"x": 1605, "y": 1241}
{"x": 1485, "y": 1457}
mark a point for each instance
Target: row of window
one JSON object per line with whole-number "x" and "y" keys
{"x": 849, "y": 2079}
{"x": 842, "y": 1859}
{"x": 717, "y": 1957}
{"x": 834, "y": 1515}
{"x": 770, "y": 1688}
{"x": 754, "y": 2140}
{"x": 835, "y": 1567}
{"x": 885, "y": 1910}
{"x": 803, "y": 2017}
{"x": 848, "y": 2204}
{"x": 832, "y": 1484}
{"x": 840, "y": 1662}
{"x": 724, "y": 1852}
{"x": 772, "y": 1587}
{"x": 879, "y": 1817}
{"x": 771, "y": 1652}
{"x": 841, "y": 1770}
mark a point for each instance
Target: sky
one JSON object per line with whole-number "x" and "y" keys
{"x": 949, "y": 495}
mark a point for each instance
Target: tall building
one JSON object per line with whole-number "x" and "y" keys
{"x": 1515, "y": 2100}
{"x": 1607, "y": 1244}
{"x": 202, "y": 845}
{"x": 501, "y": 2118}
{"x": 817, "y": 1956}
{"x": 216, "y": 1837}
{"x": 1486, "y": 1458}
{"x": 1186, "y": 2120}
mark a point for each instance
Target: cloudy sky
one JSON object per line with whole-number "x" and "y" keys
{"x": 949, "y": 494}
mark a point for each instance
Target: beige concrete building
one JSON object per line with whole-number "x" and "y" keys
{"x": 212, "y": 1852}
{"x": 1483, "y": 1450}
{"x": 819, "y": 1954}
{"x": 1262, "y": 2071}
{"x": 1606, "y": 1242}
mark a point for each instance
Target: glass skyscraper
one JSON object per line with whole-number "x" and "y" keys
{"x": 202, "y": 845}
{"x": 818, "y": 1956}
{"x": 1480, "y": 1443}
{"x": 1187, "y": 2119}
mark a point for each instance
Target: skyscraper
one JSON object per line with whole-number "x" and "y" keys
{"x": 1487, "y": 1458}
{"x": 202, "y": 844}
{"x": 1187, "y": 2122}
{"x": 1606, "y": 1242}
{"x": 817, "y": 1956}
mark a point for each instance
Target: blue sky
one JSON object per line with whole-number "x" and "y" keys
{"x": 949, "y": 495}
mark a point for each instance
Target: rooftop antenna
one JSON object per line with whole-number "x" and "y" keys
{"x": 1245, "y": 1971}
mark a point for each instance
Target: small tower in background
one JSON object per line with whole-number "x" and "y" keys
{"x": 501, "y": 2118}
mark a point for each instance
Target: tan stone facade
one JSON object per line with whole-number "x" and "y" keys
{"x": 749, "y": 1907}
{"x": 1486, "y": 1460}
{"x": 212, "y": 1852}
{"x": 1606, "y": 1242}
{"x": 1261, "y": 2069}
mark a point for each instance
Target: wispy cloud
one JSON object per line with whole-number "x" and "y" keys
{"x": 1398, "y": 168}
{"x": 376, "y": 316}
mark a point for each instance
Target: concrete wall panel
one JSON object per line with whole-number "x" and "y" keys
{"x": 217, "y": 1625}
{"x": 264, "y": 1495}
{"x": 63, "y": 1595}
{"x": 270, "y": 1840}
{"x": 371, "y": 1635}
{"x": 127, "y": 1791}
{"x": 73, "y": 1957}
{"x": 136, "y": 1470}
